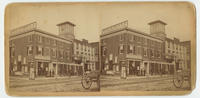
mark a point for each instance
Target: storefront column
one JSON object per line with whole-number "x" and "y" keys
{"x": 36, "y": 68}
{"x": 147, "y": 68}
{"x": 56, "y": 73}
{"x": 127, "y": 67}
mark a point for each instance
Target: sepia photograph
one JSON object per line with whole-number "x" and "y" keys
{"x": 102, "y": 48}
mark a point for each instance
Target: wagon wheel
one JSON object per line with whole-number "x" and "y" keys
{"x": 178, "y": 80}
{"x": 86, "y": 81}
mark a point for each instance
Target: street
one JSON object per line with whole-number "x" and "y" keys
{"x": 109, "y": 83}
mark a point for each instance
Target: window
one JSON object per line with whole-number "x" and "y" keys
{"x": 47, "y": 51}
{"x": 169, "y": 51}
{"x": 168, "y": 45}
{"x": 54, "y": 42}
{"x": 77, "y": 45}
{"x": 134, "y": 38}
{"x": 145, "y": 51}
{"x": 47, "y": 40}
{"x": 30, "y": 38}
{"x": 39, "y": 50}
{"x": 130, "y": 49}
{"x": 134, "y": 50}
{"x": 121, "y": 49}
{"x": 39, "y": 39}
{"x": 12, "y": 51}
{"x": 151, "y": 53}
{"x": 159, "y": 54}
{"x": 121, "y": 37}
{"x": 145, "y": 41}
{"x": 104, "y": 51}
{"x": 53, "y": 52}
{"x": 131, "y": 38}
{"x": 30, "y": 50}
{"x": 60, "y": 53}
{"x": 66, "y": 54}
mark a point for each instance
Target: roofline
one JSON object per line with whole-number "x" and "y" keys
{"x": 157, "y": 21}
{"x": 41, "y": 31}
{"x": 133, "y": 30}
{"x": 66, "y": 22}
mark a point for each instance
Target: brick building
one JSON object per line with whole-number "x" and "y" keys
{"x": 85, "y": 53}
{"x": 95, "y": 45}
{"x": 47, "y": 54}
{"x": 175, "y": 51}
{"x": 124, "y": 49}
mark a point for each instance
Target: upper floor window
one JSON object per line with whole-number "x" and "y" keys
{"x": 151, "y": 53}
{"x": 130, "y": 49}
{"x": 121, "y": 37}
{"x": 145, "y": 51}
{"x": 48, "y": 40}
{"x": 53, "y": 52}
{"x": 30, "y": 38}
{"x": 12, "y": 51}
{"x": 54, "y": 42}
{"x": 30, "y": 50}
{"x": 159, "y": 54}
{"x": 39, "y": 38}
{"x": 60, "y": 53}
{"x": 168, "y": 45}
{"x": 121, "y": 48}
{"x": 47, "y": 51}
{"x": 131, "y": 38}
{"x": 39, "y": 50}
{"x": 104, "y": 51}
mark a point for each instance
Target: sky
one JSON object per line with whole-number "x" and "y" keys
{"x": 91, "y": 18}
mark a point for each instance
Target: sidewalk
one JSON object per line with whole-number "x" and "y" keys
{"x": 24, "y": 81}
{"x": 135, "y": 77}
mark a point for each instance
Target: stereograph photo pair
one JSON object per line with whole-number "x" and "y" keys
{"x": 100, "y": 49}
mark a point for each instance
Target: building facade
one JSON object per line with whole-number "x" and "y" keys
{"x": 85, "y": 54}
{"x": 131, "y": 52}
{"x": 175, "y": 51}
{"x": 95, "y": 45}
{"x": 42, "y": 53}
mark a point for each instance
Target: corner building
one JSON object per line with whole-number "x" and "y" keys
{"x": 41, "y": 52}
{"x": 126, "y": 50}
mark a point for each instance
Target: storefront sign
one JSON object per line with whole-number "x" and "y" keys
{"x": 24, "y": 28}
{"x": 115, "y": 27}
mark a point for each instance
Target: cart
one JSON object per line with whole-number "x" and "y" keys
{"x": 180, "y": 76}
{"x": 89, "y": 77}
